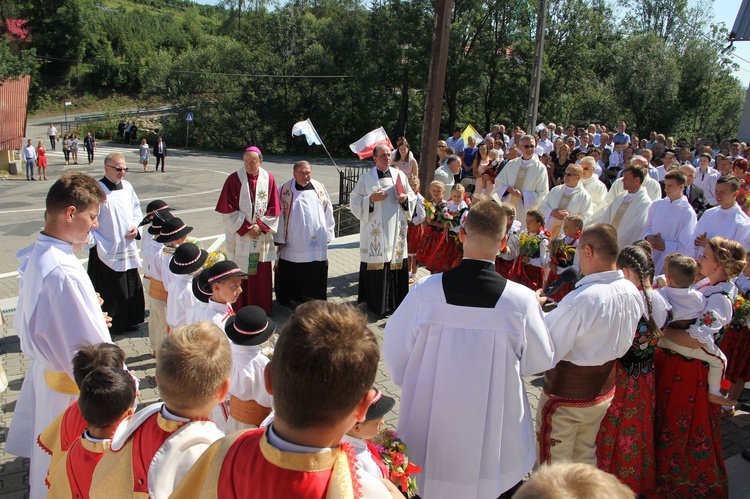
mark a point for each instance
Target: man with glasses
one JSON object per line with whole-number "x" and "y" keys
{"x": 523, "y": 182}
{"x": 306, "y": 227}
{"x": 114, "y": 260}
{"x": 590, "y": 181}
{"x": 569, "y": 198}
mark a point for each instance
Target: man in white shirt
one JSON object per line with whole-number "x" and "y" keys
{"x": 591, "y": 327}
{"x": 545, "y": 145}
{"x": 523, "y": 182}
{"x": 706, "y": 178}
{"x": 306, "y": 228}
{"x": 652, "y": 171}
{"x": 460, "y": 369}
{"x": 726, "y": 220}
{"x": 29, "y": 156}
{"x": 114, "y": 260}
{"x": 447, "y": 173}
{"x": 57, "y": 312}
{"x": 569, "y": 198}
{"x": 652, "y": 187}
{"x": 670, "y": 221}
{"x": 595, "y": 137}
{"x": 52, "y": 134}
{"x": 628, "y": 211}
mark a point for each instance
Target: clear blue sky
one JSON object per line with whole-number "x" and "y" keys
{"x": 725, "y": 11}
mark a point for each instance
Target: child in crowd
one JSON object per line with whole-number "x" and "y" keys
{"x": 572, "y": 230}
{"x": 224, "y": 281}
{"x": 158, "y": 212}
{"x": 300, "y": 454}
{"x": 450, "y": 254}
{"x": 689, "y": 312}
{"x": 152, "y": 450}
{"x": 185, "y": 264}
{"x": 67, "y": 428}
{"x": 361, "y": 435}
{"x": 533, "y": 264}
{"x": 107, "y": 398}
{"x": 482, "y": 182}
{"x": 433, "y": 236}
{"x": 507, "y": 254}
{"x": 415, "y": 230}
{"x": 249, "y": 402}
{"x": 573, "y": 480}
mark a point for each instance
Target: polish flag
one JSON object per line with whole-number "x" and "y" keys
{"x": 364, "y": 146}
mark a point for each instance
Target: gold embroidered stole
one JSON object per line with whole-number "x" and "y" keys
{"x": 620, "y": 213}
{"x": 557, "y": 223}
{"x": 518, "y": 184}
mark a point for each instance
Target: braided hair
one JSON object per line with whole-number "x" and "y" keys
{"x": 649, "y": 251}
{"x": 636, "y": 260}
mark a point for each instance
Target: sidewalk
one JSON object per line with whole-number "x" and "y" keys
{"x": 343, "y": 277}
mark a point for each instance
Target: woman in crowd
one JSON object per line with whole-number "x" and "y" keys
{"x": 41, "y": 161}
{"x": 143, "y": 151}
{"x": 74, "y": 148}
{"x": 687, "y": 435}
{"x": 66, "y": 148}
{"x": 560, "y": 163}
{"x": 625, "y": 446}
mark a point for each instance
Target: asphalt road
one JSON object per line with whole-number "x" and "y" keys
{"x": 191, "y": 186}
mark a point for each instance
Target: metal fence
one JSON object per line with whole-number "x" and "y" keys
{"x": 346, "y": 223}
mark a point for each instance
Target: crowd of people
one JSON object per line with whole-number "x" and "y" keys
{"x": 601, "y": 261}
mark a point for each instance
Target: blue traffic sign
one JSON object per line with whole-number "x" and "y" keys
{"x": 189, "y": 117}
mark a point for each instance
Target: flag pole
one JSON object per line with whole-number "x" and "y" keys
{"x": 329, "y": 155}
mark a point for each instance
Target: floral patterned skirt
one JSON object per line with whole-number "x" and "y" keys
{"x": 413, "y": 238}
{"x": 625, "y": 444}
{"x": 445, "y": 257}
{"x": 687, "y": 432}
{"x": 530, "y": 276}
{"x": 505, "y": 267}
{"x": 736, "y": 346}
{"x": 429, "y": 244}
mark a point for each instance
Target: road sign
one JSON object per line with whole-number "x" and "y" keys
{"x": 189, "y": 117}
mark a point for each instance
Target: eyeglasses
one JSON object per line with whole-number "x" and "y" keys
{"x": 119, "y": 170}
{"x": 568, "y": 174}
{"x": 528, "y": 146}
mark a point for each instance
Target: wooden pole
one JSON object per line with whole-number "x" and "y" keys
{"x": 435, "y": 88}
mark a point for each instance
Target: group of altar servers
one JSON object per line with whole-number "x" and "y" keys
{"x": 442, "y": 373}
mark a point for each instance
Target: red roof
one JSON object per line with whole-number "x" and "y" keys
{"x": 16, "y": 28}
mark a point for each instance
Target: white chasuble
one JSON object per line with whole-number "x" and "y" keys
{"x": 627, "y": 216}
{"x": 117, "y": 215}
{"x": 732, "y": 224}
{"x": 597, "y": 190}
{"x": 382, "y": 231}
{"x": 576, "y": 201}
{"x": 306, "y": 226}
{"x": 246, "y": 251}
{"x": 531, "y": 180}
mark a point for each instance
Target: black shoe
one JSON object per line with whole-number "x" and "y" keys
{"x": 162, "y": 170}
{"x": 746, "y": 454}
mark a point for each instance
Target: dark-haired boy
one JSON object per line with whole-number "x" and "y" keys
{"x": 300, "y": 455}
{"x": 67, "y": 428}
{"x": 57, "y": 311}
{"x": 223, "y": 281}
{"x": 107, "y": 398}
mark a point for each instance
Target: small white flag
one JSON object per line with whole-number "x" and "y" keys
{"x": 307, "y": 129}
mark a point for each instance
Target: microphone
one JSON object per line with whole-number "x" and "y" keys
{"x": 568, "y": 275}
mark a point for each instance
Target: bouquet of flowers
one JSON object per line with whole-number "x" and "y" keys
{"x": 215, "y": 257}
{"x": 741, "y": 310}
{"x": 528, "y": 244}
{"x": 561, "y": 253}
{"x": 394, "y": 454}
{"x": 446, "y": 217}
{"x": 429, "y": 209}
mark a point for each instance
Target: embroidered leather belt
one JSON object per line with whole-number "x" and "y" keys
{"x": 247, "y": 411}
{"x": 572, "y": 381}
{"x": 156, "y": 290}
{"x": 60, "y": 382}
{"x": 683, "y": 324}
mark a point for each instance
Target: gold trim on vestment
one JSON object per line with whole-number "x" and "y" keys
{"x": 97, "y": 447}
{"x": 167, "y": 424}
{"x": 60, "y": 382}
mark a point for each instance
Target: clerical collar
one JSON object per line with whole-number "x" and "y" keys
{"x": 111, "y": 185}
{"x": 308, "y": 187}
{"x": 630, "y": 195}
{"x": 569, "y": 190}
{"x": 526, "y": 162}
{"x": 385, "y": 174}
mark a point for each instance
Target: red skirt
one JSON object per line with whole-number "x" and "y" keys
{"x": 736, "y": 346}
{"x": 531, "y": 276}
{"x": 413, "y": 238}
{"x": 687, "y": 433}
{"x": 505, "y": 268}
{"x": 625, "y": 444}
{"x": 445, "y": 257}
{"x": 430, "y": 244}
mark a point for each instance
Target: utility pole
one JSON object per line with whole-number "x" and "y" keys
{"x": 435, "y": 87}
{"x": 536, "y": 72}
